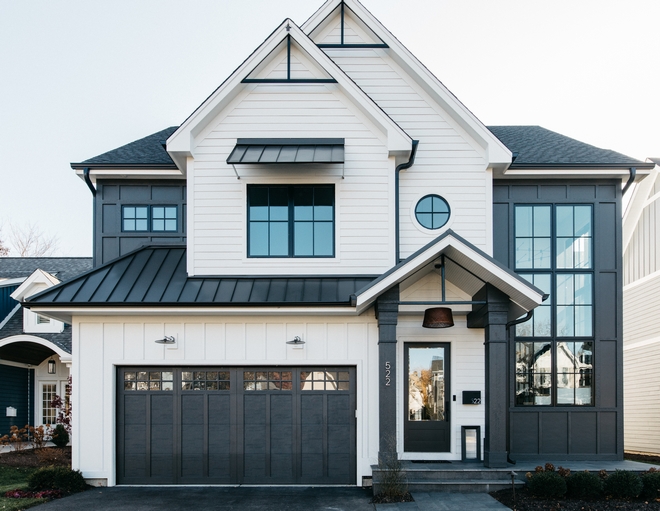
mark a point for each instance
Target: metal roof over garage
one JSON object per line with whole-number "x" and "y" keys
{"x": 157, "y": 276}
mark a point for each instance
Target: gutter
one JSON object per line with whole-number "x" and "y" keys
{"x": 90, "y": 185}
{"x": 399, "y": 168}
{"x": 631, "y": 179}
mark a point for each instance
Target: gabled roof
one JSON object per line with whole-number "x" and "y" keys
{"x": 156, "y": 276}
{"x": 498, "y": 155}
{"x": 63, "y": 268}
{"x": 534, "y": 146}
{"x": 180, "y": 143}
{"x": 469, "y": 269}
{"x": 148, "y": 151}
{"x": 14, "y": 327}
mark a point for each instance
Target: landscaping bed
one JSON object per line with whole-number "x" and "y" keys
{"x": 35, "y": 458}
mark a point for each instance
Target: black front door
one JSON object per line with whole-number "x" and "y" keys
{"x": 426, "y": 397}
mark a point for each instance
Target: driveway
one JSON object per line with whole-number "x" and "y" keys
{"x": 202, "y": 498}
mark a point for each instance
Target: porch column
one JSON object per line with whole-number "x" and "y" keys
{"x": 493, "y": 317}
{"x": 387, "y": 311}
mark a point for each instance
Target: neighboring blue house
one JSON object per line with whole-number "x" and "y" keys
{"x": 29, "y": 342}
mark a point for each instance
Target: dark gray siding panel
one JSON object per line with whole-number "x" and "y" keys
{"x": 16, "y": 385}
{"x": 577, "y": 432}
{"x": 554, "y": 433}
{"x": 110, "y": 241}
{"x": 609, "y": 373}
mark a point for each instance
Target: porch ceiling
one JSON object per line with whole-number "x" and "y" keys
{"x": 25, "y": 353}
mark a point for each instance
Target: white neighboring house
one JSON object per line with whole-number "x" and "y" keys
{"x": 35, "y": 351}
{"x": 257, "y": 311}
{"x": 641, "y": 314}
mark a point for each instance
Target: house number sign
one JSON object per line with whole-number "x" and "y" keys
{"x": 388, "y": 374}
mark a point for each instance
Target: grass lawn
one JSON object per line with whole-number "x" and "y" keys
{"x": 12, "y": 478}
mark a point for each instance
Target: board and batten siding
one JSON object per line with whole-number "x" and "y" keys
{"x": 642, "y": 255}
{"x": 101, "y": 344}
{"x": 448, "y": 162}
{"x": 364, "y": 217}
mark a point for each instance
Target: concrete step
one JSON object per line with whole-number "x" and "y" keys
{"x": 426, "y": 474}
{"x": 464, "y": 486}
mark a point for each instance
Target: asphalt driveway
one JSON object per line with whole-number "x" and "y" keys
{"x": 202, "y": 498}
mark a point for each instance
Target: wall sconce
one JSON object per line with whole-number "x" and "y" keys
{"x": 51, "y": 366}
{"x": 438, "y": 317}
{"x": 297, "y": 341}
{"x": 168, "y": 339}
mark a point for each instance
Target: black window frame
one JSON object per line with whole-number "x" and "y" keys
{"x": 150, "y": 218}
{"x": 554, "y": 338}
{"x": 291, "y": 190}
{"x": 448, "y": 212}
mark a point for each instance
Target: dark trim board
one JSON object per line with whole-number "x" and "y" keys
{"x": 239, "y": 430}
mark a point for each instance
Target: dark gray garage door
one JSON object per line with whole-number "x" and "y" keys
{"x": 236, "y": 425}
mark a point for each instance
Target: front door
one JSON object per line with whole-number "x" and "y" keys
{"x": 426, "y": 397}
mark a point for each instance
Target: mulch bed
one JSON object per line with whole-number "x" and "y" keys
{"x": 644, "y": 458}
{"x": 381, "y": 498}
{"x": 35, "y": 458}
{"x": 525, "y": 502}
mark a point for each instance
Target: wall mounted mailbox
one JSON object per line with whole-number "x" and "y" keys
{"x": 471, "y": 397}
{"x": 11, "y": 411}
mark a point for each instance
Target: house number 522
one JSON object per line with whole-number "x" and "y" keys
{"x": 388, "y": 374}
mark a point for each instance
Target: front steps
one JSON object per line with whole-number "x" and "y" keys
{"x": 451, "y": 477}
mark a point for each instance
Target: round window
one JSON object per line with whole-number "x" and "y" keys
{"x": 432, "y": 212}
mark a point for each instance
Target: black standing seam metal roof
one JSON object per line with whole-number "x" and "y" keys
{"x": 532, "y": 145}
{"x": 281, "y": 150}
{"x": 156, "y": 275}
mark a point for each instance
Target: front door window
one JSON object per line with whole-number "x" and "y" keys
{"x": 427, "y": 404}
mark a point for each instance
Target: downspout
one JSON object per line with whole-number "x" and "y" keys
{"x": 399, "y": 168}
{"x": 90, "y": 185}
{"x": 631, "y": 179}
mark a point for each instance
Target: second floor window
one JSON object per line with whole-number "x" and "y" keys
{"x": 149, "y": 218}
{"x": 291, "y": 221}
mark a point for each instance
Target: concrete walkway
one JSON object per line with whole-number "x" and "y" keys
{"x": 244, "y": 498}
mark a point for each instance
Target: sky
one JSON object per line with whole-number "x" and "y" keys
{"x": 79, "y": 78}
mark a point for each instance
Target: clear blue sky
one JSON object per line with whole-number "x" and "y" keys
{"x": 82, "y": 77}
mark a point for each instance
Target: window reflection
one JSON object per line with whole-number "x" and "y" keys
{"x": 426, "y": 384}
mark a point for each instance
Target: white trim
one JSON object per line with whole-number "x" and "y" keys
{"x": 498, "y": 154}
{"x": 64, "y": 356}
{"x": 640, "y": 344}
{"x": 16, "y": 364}
{"x": 11, "y": 282}
{"x": 9, "y": 316}
{"x": 180, "y": 143}
{"x": 641, "y": 281}
{"x": 638, "y": 201}
{"x": 40, "y": 279}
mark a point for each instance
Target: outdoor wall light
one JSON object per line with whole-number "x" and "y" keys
{"x": 51, "y": 366}
{"x": 168, "y": 339}
{"x": 438, "y": 317}
{"x": 297, "y": 341}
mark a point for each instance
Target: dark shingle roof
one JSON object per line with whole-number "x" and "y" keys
{"x": 63, "y": 268}
{"x": 15, "y": 327}
{"x": 534, "y": 146}
{"x": 157, "y": 276}
{"x": 537, "y": 146}
{"x": 146, "y": 151}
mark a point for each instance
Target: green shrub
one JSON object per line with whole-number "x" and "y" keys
{"x": 57, "y": 478}
{"x": 60, "y": 436}
{"x": 623, "y": 484}
{"x": 547, "y": 485}
{"x": 651, "y": 483}
{"x": 584, "y": 485}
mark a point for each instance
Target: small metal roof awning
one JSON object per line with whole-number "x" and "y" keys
{"x": 287, "y": 150}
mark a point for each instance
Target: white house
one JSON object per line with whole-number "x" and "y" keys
{"x": 263, "y": 272}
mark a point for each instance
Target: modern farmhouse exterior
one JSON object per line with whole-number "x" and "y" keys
{"x": 262, "y": 273}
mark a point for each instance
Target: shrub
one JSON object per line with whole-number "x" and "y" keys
{"x": 547, "y": 485}
{"x": 584, "y": 485}
{"x": 651, "y": 484}
{"x": 57, "y": 478}
{"x": 60, "y": 436}
{"x": 623, "y": 484}
{"x": 52, "y": 456}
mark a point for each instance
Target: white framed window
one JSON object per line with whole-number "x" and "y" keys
{"x": 48, "y": 412}
{"x": 34, "y": 323}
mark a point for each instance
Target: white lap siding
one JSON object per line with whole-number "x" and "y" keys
{"x": 448, "y": 163}
{"x": 101, "y": 345}
{"x": 364, "y": 217}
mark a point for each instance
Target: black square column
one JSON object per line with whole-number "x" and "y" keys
{"x": 387, "y": 312}
{"x": 493, "y": 317}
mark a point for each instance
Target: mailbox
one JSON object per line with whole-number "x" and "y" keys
{"x": 11, "y": 411}
{"x": 471, "y": 397}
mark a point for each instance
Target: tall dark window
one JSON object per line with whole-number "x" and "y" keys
{"x": 554, "y": 350}
{"x": 291, "y": 221}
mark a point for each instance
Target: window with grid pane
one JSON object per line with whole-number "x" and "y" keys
{"x": 135, "y": 218}
{"x": 163, "y": 218}
{"x": 291, "y": 221}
